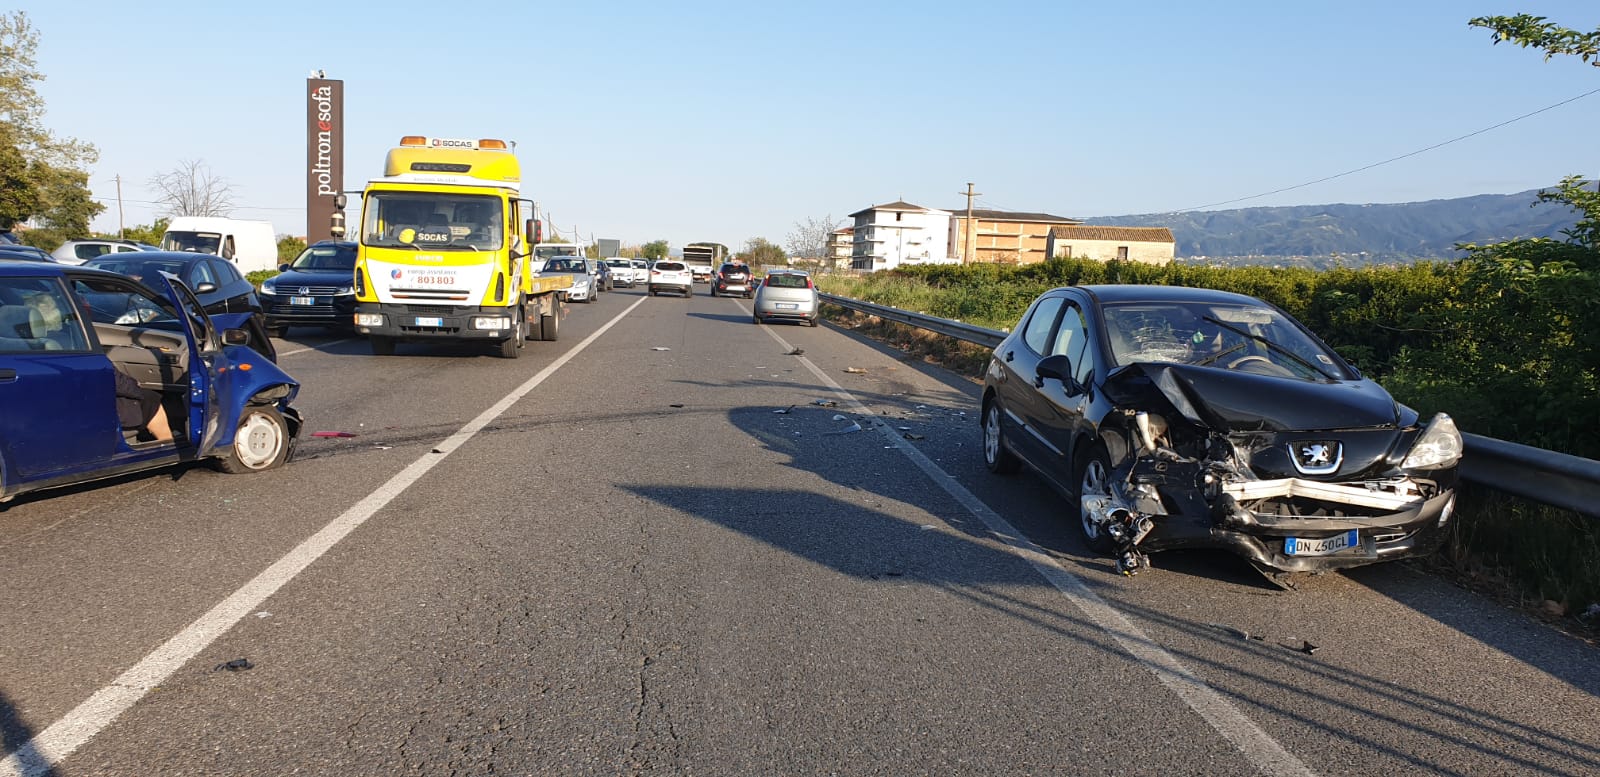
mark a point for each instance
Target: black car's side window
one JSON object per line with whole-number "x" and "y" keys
{"x": 1036, "y": 335}
{"x": 226, "y": 273}
{"x": 1072, "y": 339}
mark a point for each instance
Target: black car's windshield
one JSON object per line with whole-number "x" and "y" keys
{"x": 1238, "y": 337}
{"x": 325, "y": 259}
{"x": 433, "y": 222}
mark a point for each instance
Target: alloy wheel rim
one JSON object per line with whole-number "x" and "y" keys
{"x": 991, "y": 434}
{"x": 1094, "y": 484}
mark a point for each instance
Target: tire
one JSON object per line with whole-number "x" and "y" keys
{"x": 755, "y": 320}
{"x": 382, "y": 346}
{"x": 688, "y": 292}
{"x": 260, "y": 443}
{"x": 713, "y": 291}
{"x": 277, "y": 331}
{"x": 511, "y": 347}
{"x": 549, "y": 327}
{"x": 995, "y": 456}
{"x": 1093, "y": 475}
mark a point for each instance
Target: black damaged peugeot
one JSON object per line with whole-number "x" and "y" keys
{"x": 1180, "y": 418}
{"x": 316, "y": 289}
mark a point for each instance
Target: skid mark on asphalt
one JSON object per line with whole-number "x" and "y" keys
{"x": 1253, "y": 743}
{"x": 38, "y": 756}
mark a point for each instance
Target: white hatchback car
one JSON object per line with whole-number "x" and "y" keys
{"x": 670, "y": 275}
{"x": 80, "y": 251}
{"x": 787, "y": 295}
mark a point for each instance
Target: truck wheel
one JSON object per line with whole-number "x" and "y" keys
{"x": 382, "y": 346}
{"x": 511, "y": 347}
{"x": 260, "y": 443}
{"x": 549, "y": 327}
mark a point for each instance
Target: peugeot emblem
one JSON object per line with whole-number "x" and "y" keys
{"x": 1316, "y": 457}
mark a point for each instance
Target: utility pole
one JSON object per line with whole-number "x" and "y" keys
{"x": 119, "y": 206}
{"x": 966, "y": 252}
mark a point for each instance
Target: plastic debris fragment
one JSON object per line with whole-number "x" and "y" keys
{"x": 236, "y": 665}
{"x": 854, "y": 370}
{"x": 333, "y": 434}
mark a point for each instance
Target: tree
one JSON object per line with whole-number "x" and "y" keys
{"x": 149, "y": 234}
{"x": 191, "y": 189}
{"x": 759, "y": 251}
{"x": 57, "y": 168}
{"x": 810, "y": 237}
{"x": 1529, "y": 31}
{"x": 655, "y": 249}
{"x": 289, "y": 247}
{"x": 19, "y": 196}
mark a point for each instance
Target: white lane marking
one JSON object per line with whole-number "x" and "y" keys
{"x": 315, "y": 347}
{"x": 38, "y": 756}
{"x": 1256, "y": 745}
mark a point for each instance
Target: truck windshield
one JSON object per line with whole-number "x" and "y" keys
{"x": 434, "y": 222}
{"x": 195, "y": 242}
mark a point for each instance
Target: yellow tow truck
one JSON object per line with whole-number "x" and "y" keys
{"x": 440, "y": 255}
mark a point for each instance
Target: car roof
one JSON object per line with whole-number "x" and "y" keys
{"x": 156, "y": 256}
{"x": 1130, "y": 292}
{"x": 333, "y": 244}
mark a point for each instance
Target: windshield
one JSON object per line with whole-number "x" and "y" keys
{"x": 1247, "y": 338}
{"x": 566, "y": 264}
{"x": 433, "y": 222}
{"x": 553, "y": 250}
{"x": 325, "y": 258}
{"x": 194, "y": 242}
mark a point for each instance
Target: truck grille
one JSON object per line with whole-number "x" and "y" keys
{"x": 430, "y": 310}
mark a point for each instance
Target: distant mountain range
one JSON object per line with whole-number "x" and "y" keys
{"x": 1357, "y": 234}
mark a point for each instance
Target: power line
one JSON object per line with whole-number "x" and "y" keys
{"x": 1393, "y": 159}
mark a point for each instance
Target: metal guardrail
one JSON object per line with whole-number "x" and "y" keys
{"x": 1557, "y": 479}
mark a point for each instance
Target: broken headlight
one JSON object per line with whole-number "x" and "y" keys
{"x": 1438, "y": 447}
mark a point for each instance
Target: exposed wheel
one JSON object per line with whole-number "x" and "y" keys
{"x": 382, "y": 346}
{"x": 1094, "y": 479}
{"x": 995, "y": 456}
{"x": 549, "y": 326}
{"x": 260, "y": 443}
{"x": 511, "y": 347}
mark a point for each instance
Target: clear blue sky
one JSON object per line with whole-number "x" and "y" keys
{"x": 722, "y": 121}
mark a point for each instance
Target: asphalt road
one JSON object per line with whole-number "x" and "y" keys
{"x": 617, "y": 555}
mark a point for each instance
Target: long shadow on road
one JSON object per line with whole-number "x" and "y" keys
{"x": 1423, "y": 725}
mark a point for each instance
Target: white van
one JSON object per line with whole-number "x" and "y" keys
{"x": 249, "y": 244}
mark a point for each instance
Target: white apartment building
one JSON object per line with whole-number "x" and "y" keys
{"x": 887, "y": 236}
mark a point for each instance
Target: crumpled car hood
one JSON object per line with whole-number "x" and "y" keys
{"x": 1232, "y": 401}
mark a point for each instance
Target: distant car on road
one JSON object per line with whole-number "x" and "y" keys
{"x": 80, "y": 251}
{"x": 787, "y": 295}
{"x": 316, "y": 289}
{"x": 583, "y": 289}
{"x": 670, "y": 275}
{"x": 603, "y": 280}
{"x": 216, "y": 281}
{"x": 733, "y": 278}
{"x": 621, "y": 272}
{"x": 1174, "y": 417}
{"x": 64, "y": 333}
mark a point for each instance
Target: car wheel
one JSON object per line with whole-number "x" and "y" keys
{"x": 382, "y": 346}
{"x": 277, "y": 331}
{"x": 755, "y": 320}
{"x": 996, "y": 457}
{"x": 260, "y": 443}
{"x": 1093, "y": 478}
{"x": 713, "y": 291}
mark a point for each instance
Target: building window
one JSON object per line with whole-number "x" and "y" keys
{"x": 1122, "y": 253}
{"x": 1065, "y": 251}
{"x": 897, "y": 215}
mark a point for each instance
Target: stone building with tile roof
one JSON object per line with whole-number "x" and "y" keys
{"x": 1006, "y": 237}
{"x": 1150, "y": 245}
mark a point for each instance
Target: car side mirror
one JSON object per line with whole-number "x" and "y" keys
{"x": 205, "y": 288}
{"x": 283, "y": 268}
{"x": 235, "y": 337}
{"x": 1058, "y": 367}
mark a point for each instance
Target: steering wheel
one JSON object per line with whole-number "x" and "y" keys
{"x": 1267, "y": 366}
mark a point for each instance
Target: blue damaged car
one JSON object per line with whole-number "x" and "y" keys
{"x": 64, "y": 334}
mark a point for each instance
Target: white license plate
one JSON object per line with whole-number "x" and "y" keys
{"x": 302, "y": 300}
{"x": 1296, "y": 546}
{"x": 787, "y": 305}
{"x": 430, "y": 322}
